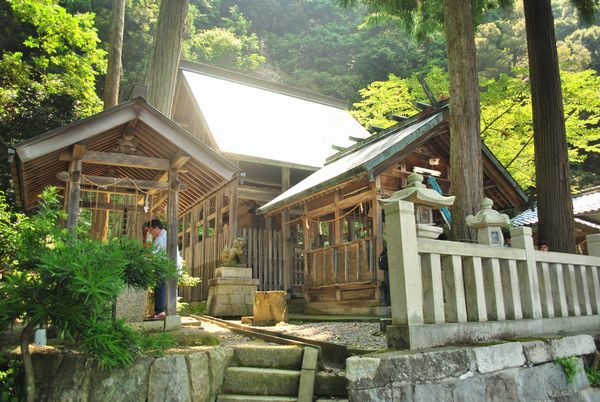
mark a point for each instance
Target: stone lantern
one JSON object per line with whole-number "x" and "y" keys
{"x": 425, "y": 200}
{"x": 488, "y": 223}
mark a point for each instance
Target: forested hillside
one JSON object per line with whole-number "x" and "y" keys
{"x": 52, "y": 68}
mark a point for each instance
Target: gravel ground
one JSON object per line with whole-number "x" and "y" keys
{"x": 353, "y": 335}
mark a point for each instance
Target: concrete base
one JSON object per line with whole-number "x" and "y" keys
{"x": 428, "y": 335}
{"x": 231, "y": 297}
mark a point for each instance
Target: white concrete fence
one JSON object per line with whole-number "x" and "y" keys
{"x": 446, "y": 292}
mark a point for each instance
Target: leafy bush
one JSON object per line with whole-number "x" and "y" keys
{"x": 112, "y": 342}
{"x": 72, "y": 282}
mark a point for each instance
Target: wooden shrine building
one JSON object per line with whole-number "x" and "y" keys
{"x": 336, "y": 208}
{"x": 128, "y": 164}
{"x": 277, "y": 136}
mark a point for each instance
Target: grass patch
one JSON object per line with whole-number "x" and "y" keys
{"x": 193, "y": 308}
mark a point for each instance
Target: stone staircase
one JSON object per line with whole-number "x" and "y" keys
{"x": 273, "y": 374}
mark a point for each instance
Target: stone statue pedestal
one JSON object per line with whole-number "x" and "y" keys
{"x": 231, "y": 292}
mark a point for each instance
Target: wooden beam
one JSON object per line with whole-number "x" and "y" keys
{"x": 103, "y": 181}
{"x": 79, "y": 150}
{"x": 177, "y": 163}
{"x": 119, "y": 159}
{"x": 104, "y": 206}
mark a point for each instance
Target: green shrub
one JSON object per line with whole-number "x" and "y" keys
{"x": 112, "y": 342}
{"x": 72, "y": 283}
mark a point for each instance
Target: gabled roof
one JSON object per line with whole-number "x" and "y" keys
{"x": 247, "y": 116}
{"x": 156, "y": 136}
{"x": 367, "y": 155}
{"x": 586, "y": 208}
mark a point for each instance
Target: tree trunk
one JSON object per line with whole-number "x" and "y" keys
{"x": 465, "y": 142}
{"x": 27, "y": 362}
{"x": 113, "y": 73}
{"x": 162, "y": 71}
{"x": 554, "y": 203}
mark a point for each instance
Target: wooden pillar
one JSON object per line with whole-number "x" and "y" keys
{"x": 233, "y": 212}
{"x": 204, "y": 264}
{"x": 172, "y": 231}
{"x": 377, "y": 221}
{"x": 74, "y": 194}
{"x": 338, "y": 226}
{"x": 307, "y": 246}
{"x": 287, "y": 240}
{"x": 218, "y": 228}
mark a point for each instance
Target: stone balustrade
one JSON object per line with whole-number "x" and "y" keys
{"x": 446, "y": 292}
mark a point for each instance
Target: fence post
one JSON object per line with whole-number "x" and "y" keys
{"x": 406, "y": 288}
{"x": 527, "y": 270}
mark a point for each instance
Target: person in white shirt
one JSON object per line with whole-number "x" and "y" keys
{"x": 159, "y": 234}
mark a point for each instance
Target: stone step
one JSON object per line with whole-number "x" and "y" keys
{"x": 331, "y": 400}
{"x": 281, "y": 357}
{"x": 331, "y": 384}
{"x": 261, "y": 381}
{"x": 255, "y": 398}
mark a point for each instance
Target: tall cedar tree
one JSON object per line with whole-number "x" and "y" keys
{"x": 465, "y": 142}
{"x": 162, "y": 71}
{"x": 554, "y": 203}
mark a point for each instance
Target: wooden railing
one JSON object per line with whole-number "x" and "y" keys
{"x": 340, "y": 263}
{"x": 447, "y": 292}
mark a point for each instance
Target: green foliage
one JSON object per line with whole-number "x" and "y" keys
{"x": 229, "y": 45}
{"x": 569, "y": 365}
{"x": 143, "y": 268}
{"x": 72, "y": 283}
{"x": 185, "y": 279}
{"x": 9, "y": 221}
{"x": 195, "y": 308}
{"x": 506, "y": 120}
{"x": 593, "y": 375}
{"x": 113, "y": 343}
{"x": 11, "y": 378}
{"x": 48, "y": 68}
{"x": 158, "y": 342}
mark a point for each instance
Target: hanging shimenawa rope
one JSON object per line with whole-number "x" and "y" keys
{"x": 360, "y": 205}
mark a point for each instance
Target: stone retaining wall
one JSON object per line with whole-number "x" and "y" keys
{"x": 515, "y": 371}
{"x": 195, "y": 376}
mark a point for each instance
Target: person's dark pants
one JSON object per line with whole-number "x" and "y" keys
{"x": 160, "y": 297}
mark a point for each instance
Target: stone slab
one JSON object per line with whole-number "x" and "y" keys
{"x": 233, "y": 281}
{"x": 168, "y": 380}
{"x": 385, "y": 368}
{"x": 172, "y": 322}
{"x": 536, "y": 352}
{"x": 233, "y": 272}
{"x": 498, "y": 357}
{"x": 577, "y": 345}
{"x": 131, "y": 305}
{"x": 428, "y": 335}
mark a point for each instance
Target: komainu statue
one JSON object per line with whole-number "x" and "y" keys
{"x": 235, "y": 256}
